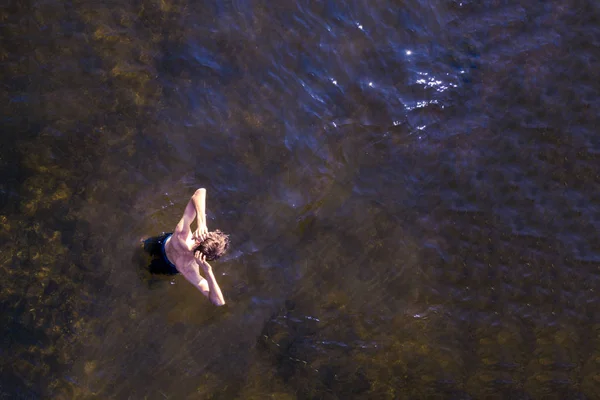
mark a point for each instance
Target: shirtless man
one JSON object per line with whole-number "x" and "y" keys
{"x": 187, "y": 252}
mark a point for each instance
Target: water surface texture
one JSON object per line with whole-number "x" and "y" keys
{"x": 412, "y": 190}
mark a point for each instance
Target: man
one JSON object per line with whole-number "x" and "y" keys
{"x": 186, "y": 252}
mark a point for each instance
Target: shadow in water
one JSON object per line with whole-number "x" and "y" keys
{"x": 151, "y": 263}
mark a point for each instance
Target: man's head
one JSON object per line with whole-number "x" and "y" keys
{"x": 214, "y": 246}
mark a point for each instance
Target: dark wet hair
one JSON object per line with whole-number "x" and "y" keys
{"x": 214, "y": 246}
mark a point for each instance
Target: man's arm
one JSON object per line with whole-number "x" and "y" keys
{"x": 199, "y": 200}
{"x": 195, "y": 208}
{"x": 209, "y": 286}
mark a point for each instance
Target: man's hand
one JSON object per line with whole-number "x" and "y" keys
{"x": 202, "y": 263}
{"x": 201, "y": 233}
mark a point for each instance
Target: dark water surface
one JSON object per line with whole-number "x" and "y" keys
{"x": 412, "y": 189}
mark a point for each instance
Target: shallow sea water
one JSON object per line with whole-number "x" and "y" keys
{"x": 411, "y": 188}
